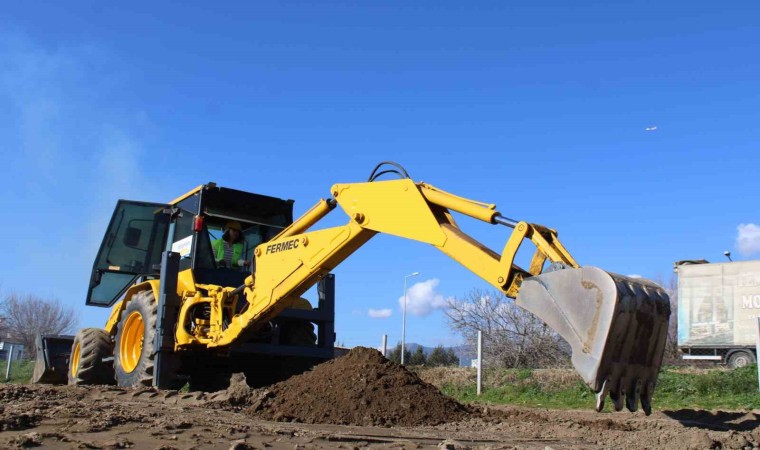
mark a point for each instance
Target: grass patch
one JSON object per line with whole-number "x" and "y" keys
{"x": 526, "y": 393}
{"x": 21, "y": 371}
{"x": 718, "y": 388}
{"x": 707, "y": 389}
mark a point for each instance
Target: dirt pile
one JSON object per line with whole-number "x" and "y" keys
{"x": 360, "y": 388}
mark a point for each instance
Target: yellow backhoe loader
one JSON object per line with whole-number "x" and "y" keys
{"x": 180, "y": 316}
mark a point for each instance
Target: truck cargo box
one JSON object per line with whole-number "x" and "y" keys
{"x": 718, "y": 306}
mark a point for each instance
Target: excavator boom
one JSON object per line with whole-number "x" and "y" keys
{"x": 616, "y": 326}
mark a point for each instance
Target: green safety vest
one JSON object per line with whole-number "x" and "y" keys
{"x": 237, "y": 251}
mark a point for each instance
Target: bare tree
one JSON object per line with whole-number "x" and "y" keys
{"x": 27, "y": 316}
{"x": 672, "y": 354}
{"x": 512, "y": 337}
{"x": 3, "y": 330}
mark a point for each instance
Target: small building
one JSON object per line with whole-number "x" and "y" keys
{"x": 18, "y": 350}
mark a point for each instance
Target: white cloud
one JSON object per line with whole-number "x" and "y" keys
{"x": 380, "y": 313}
{"x": 748, "y": 238}
{"x": 422, "y": 299}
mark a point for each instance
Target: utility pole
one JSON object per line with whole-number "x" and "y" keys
{"x": 8, "y": 366}
{"x": 403, "y": 320}
{"x": 480, "y": 361}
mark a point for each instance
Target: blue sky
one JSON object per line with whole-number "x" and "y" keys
{"x": 539, "y": 107}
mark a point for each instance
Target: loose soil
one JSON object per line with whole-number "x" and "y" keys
{"x": 314, "y": 409}
{"x": 360, "y": 388}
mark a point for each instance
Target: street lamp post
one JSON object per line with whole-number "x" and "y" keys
{"x": 403, "y": 319}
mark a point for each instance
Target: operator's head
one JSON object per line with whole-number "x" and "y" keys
{"x": 232, "y": 231}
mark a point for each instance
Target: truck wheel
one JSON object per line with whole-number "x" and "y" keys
{"x": 90, "y": 358}
{"x": 740, "y": 359}
{"x": 133, "y": 352}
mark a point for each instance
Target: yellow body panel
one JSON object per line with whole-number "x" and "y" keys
{"x": 186, "y": 195}
{"x": 394, "y": 207}
{"x": 113, "y": 318}
{"x": 185, "y": 283}
{"x": 288, "y": 267}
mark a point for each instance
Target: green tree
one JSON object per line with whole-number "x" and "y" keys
{"x": 443, "y": 357}
{"x": 395, "y": 354}
{"x": 437, "y": 357}
{"x": 418, "y": 357}
{"x": 451, "y": 358}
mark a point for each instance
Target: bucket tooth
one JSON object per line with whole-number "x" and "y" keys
{"x": 646, "y": 398}
{"x": 602, "y": 395}
{"x": 616, "y": 327}
{"x": 617, "y": 399}
{"x": 632, "y": 398}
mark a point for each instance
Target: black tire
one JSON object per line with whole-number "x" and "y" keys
{"x": 740, "y": 359}
{"x": 91, "y": 358}
{"x": 297, "y": 332}
{"x": 134, "y": 367}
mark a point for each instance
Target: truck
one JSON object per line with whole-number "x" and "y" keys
{"x": 180, "y": 315}
{"x": 718, "y": 307}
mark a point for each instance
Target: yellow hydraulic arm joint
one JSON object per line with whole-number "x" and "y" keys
{"x": 297, "y": 258}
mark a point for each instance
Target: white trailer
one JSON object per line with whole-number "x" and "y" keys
{"x": 718, "y": 306}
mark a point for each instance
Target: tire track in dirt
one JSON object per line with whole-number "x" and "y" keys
{"x": 355, "y": 401}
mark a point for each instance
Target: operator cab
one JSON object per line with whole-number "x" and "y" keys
{"x": 140, "y": 231}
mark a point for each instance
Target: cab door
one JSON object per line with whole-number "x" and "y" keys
{"x": 131, "y": 248}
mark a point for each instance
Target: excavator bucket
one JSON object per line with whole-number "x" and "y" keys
{"x": 52, "y": 363}
{"x": 616, "y": 327}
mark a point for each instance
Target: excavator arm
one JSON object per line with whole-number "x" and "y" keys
{"x": 616, "y": 326}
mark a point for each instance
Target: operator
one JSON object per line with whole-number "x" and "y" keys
{"x": 229, "y": 249}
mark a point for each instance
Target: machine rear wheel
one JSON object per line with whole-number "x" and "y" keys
{"x": 89, "y": 362}
{"x": 133, "y": 352}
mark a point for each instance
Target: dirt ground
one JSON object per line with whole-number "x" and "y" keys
{"x": 354, "y": 402}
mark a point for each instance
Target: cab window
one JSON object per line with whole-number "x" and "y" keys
{"x": 131, "y": 247}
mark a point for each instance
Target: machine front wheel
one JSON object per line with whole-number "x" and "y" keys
{"x": 90, "y": 361}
